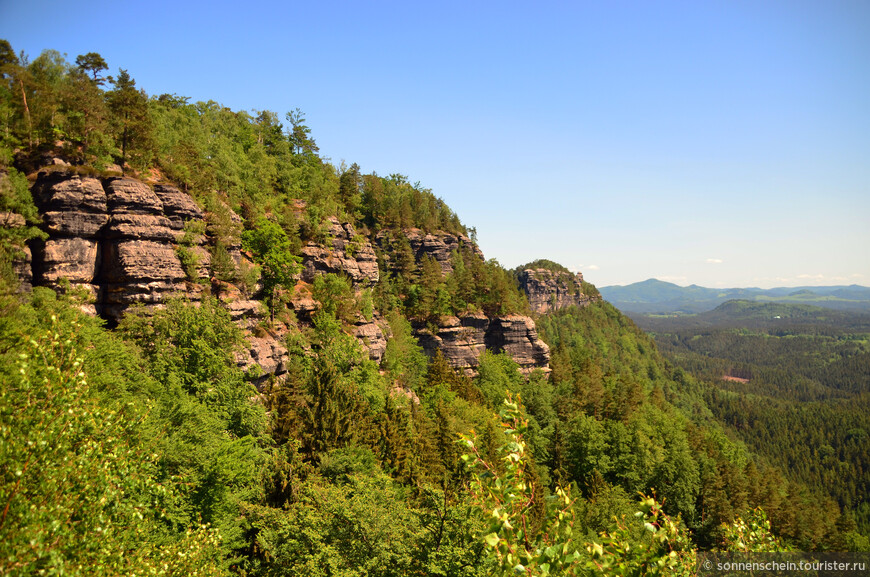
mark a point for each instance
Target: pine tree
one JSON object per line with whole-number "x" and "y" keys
{"x": 92, "y": 63}
{"x": 131, "y": 123}
{"x": 328, "y": 418}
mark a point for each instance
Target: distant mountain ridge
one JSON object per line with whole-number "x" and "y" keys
{"x": 656, "y": 296}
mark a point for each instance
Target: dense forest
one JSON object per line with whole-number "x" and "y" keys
{"x": 791, "y": 381}
{"x": 145, "y": 448}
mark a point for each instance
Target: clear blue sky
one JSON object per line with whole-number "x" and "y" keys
{"x": 723, "y": 143}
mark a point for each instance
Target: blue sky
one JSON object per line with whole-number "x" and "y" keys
{"x": 722, "y": 143}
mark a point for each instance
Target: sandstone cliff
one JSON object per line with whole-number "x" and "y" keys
{"x": 114, "y": 237}
{"x": 347, "y": 253}
{"x": 549, "y": 290}
{"x": 121, "y": 240}
{"x": 437, "y": 245}
{"x": 463, "y": 339}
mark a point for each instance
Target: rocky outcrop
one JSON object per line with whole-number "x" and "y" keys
{"x": 517, "y": 336}
{"x": 372, "y": 335}
{"x": 549, "y": 290}
{"x": 115, "y": 238}
{"x": 74, "y": 212}
{"x": 463, "y": 339}
{"x": 22, "y": 257}
{"x": 460, "y": 339}
{"x": 347, "y": 253}
{"x": 266, "y": 351}
{"x": 438, "y": 245}
{"x": 120, "y": 239}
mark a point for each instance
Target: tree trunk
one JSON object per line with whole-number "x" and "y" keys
{"x": 27, "y": 113}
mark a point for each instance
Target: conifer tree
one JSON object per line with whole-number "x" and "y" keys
{"x": 328, "y": 418}
{"x": 131, "y": 123}
{"x": 92, "y": 63}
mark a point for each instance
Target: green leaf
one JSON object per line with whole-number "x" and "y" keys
{"x": 491, "y": 539}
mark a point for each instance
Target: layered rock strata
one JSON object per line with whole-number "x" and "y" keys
{"x": 22, "y": 260}
{"x": 118, "y": 238}
{"x": 548, "y": 291}
{"x": 372, "y": 335}
{"x": 114, "y": 238}
{"x": 462, "y": 340}
{"x": 347, "y": 253}
{"x": 438, "y": 245}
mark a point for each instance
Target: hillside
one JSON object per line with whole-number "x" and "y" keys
{"x": 655, "y": 296}
{"x": 222, "y": 354}
{"x": 792, "y": 381}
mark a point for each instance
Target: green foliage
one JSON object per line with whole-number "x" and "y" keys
{"x": 16, "y": 204}
{"x": 251, "y": 160}
{"x": 131, "y": 124}
{"x": 426, "y": 294}
{"x": 209, "y": 427}
{"x": 92, "y": 63}
{"x": 80, "y": 488}
{"x": 544, "y": 264}
{"x": 393, "y": 202}
{"x": 628, "y": 420}
{"x": 222, "y": 266}
{"x": 660, "y": 547}
{"x": 194, "y": 347}
{"x": 497, "y": 374}
{"x": 751, "y": 533}
{"x": 505, "y": 496}
{"x": 404, "y": 358}
{"x": 355, "y": 469}
{"x": 271, "y": 246}
{"x": 589, "y": 290}
{"x": 801, "y": 402}
{"x": 363, "y": 523}
{"x": 189, "y": 262}
{"x": 328, "y": 417}
{"x": 336, "y": 297}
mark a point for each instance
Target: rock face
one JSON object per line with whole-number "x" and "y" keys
{"x": 115, "y": 238}
{"x": 22, "y": 261}
{"x": 438, "y": 245}
{"x": 548, "y": 290}
{"x": 372, "y": 335}
{"x": 120, "y": 240}
{"x": 463, "y": 339}
{"x": 349, "y": 254}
